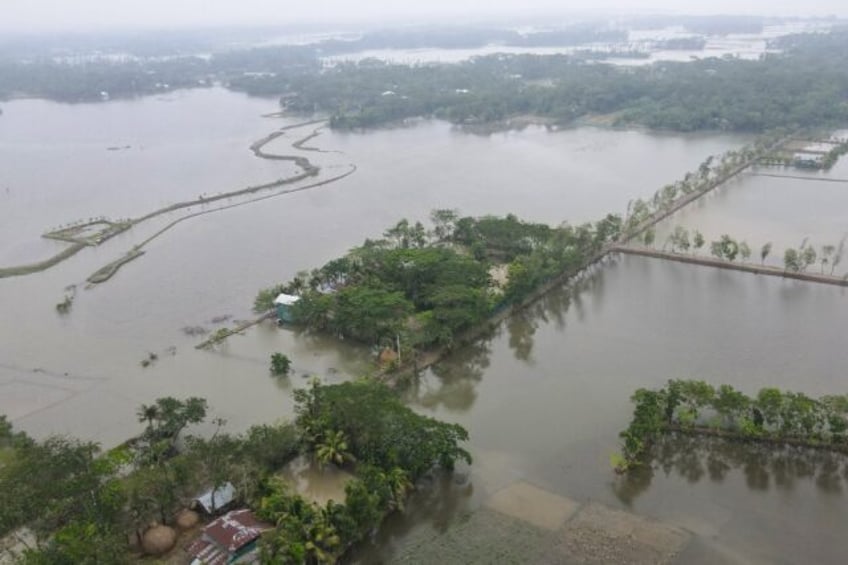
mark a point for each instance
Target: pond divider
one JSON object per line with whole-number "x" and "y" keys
{"x": 722, "y": 264}
{"x": 103, "y": 274}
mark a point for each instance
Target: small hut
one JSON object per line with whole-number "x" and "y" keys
{"x": 215, "y": 500}
{"x": 284, "y": 303}
{"x": 230, "y": 538}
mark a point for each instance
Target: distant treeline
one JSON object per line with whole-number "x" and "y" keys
{"x": 806, "y": 85}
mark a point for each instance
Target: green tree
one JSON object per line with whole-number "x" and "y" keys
{"x": 764, "y": 252}
{"x": 698, "y": 240}
{"x": 148, "y": 413}
{"x": 679, "y": 239}
{"x": 792, "y": 260}
{"x": 648, "y": 237}
{"x": 333, "y": 448}
{"x": 167, "y": 418}
{"x": 826, "y": 252}
{"x": 444, "y": 221}
{"x": 744, "y": 251}
{"x": 807, "y": 257}
{"x": 280, "y": 365}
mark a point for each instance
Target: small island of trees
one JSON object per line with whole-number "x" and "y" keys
{"x": 696, "y": 407}
{"x": 417, "y": 288}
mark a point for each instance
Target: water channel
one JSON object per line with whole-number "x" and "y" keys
{"x": 543, "y": 398}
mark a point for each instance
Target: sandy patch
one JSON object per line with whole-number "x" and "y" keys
{"x": 601, "y": 535}
{"x": 539, "y": 507}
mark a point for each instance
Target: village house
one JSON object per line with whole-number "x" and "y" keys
{"x": 229, "y": 539}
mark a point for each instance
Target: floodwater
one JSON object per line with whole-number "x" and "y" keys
{"x": 205, "y": 271}
{"x": 780, "y": 205}
{"x": 543, "y": 398}
{"x": 741, "y": 45}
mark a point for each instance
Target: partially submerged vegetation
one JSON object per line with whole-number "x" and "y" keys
{"x": 417, "y": 289}
{"x": 280, "y": 365}
{"x": 727, "y": 248}
{"x": 364, "y": 426}
{"x": 81, "y": 504}
{"x": 696, "y": 407}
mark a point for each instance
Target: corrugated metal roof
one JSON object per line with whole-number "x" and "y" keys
{"x": 205, "y": 552}
{"x": 286, "y": 299}
{"x": 224, "y": 495}
{"x": 225, "y": 536}
{"x": 234, "y": 530}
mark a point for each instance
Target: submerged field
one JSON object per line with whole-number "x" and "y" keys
{"x": 543, "y": 397}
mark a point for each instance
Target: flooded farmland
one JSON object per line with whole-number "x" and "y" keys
{"x": 543, "y": 397}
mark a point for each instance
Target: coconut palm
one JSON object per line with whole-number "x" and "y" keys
{"x": 400, "y": 485}
{"x": 148, "y": 413}
{"x": 322, "y": 540}
{"x": 333, "y": 448}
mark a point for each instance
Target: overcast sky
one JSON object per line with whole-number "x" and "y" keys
{"x": 83, "y": 15}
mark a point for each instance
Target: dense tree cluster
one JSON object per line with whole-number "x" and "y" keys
{"x": 806, "y": 85}
{"x": 425, "y": 287}
{"x": 81, "y": 503}
{"x": 772, "y": 415}
{"x": 363, "y": 425}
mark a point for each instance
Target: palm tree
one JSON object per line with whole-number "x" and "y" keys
{"x": 333, "y": 449}
{"x": 400, "y": 485}
{"x": 322, "y": 541}
{"x": 148, "y": 413}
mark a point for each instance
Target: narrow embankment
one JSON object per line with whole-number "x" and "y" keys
{"x": 770, "y": 440}
{"x": 687, "y": 199}
{"x": 31, "y": 268}
{"x": 224, "y": 333}
{"x": 799, "y": 177}
{"x": 106, "y": 272}
{"x": 722, "y": 264}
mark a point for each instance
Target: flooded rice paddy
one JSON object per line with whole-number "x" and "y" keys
{"x": 781, "y": 205}
{"x": 543, "y": 397}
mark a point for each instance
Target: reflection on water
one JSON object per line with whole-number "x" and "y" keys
{"x": 546, "y": 394}
{"x": 763, "y": 466}
{"x": 453, "y": 384}
{"x": 438, "y": 501}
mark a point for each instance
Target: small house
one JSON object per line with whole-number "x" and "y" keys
{"x": 229, "y": 539}
{"x": 283, "y": 304}
{"x": 217, "y": 499}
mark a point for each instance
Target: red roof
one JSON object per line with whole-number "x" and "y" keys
{"x": 226, "y": 536}
{"x": 207, "y": 552}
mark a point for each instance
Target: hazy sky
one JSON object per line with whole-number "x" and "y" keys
{"x": 37, "y": 15}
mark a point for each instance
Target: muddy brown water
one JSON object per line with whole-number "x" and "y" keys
{"x": 543, "y": 398}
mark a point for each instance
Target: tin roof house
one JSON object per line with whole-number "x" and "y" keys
{"x": 232, "y": 538}
{"x": 215, "y": 500}
{"x": 283, "y": 304}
